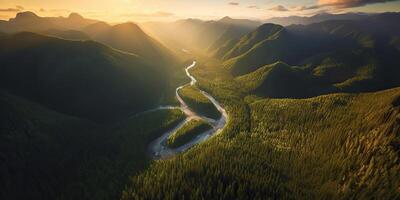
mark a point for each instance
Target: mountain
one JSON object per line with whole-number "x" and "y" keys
{"x": 70, "y": 122}
{"x": 245, "y": 43}
{"x": 29, "y": 21}
{"x": 280, "y": 80}
{"x": 292, "y": 20}
{"x": 231, "y": 35}
{"x": 338, "y": 55}
{"x": 125, "y": 37}
{"x": 79, "y": 78}
{"x": 96, "y": 28}
{"x": 129, "y": 37}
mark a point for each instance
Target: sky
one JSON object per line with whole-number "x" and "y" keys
{"x": 168, "y": 10}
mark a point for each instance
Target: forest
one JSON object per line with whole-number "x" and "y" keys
{"x": 296, "y": 107}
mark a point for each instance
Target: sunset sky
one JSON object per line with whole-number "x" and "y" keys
{"x": 167, "y": 10}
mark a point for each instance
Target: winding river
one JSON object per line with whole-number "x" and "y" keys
{"x": 159, "y": 149}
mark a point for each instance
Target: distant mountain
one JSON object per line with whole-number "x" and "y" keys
{"x": 125, "y": 37}
{"x": 240, "y": 22}
{"x": 79, "y": 78}
{"x": 29, "y": 21}
{"x": 292, "y": 20}
{"x": 96, "y": 28}
{"x": 129, "y": 37}
{"x": 335, "y": 55}
{"x": 198, "y": 34}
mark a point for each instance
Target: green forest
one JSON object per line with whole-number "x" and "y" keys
{"x": 297, "y": 107}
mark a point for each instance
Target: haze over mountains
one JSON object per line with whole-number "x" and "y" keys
{"x": 79, "y": 99}
{"x": 126, "y": 37}
{"x": 198, "y": 34}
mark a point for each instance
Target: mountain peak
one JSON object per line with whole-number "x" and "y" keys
{"x": 269, "y": 26}
{"x": 26, "y": 15}
{"x": 75, "y": 16}
{"x": 127, "y": 25}
{"x": 225, "y": 19}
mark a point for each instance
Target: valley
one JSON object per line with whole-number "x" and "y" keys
{"x": 298, "y": 107}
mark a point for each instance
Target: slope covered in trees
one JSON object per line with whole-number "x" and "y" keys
{"x": 72, "y": 126}
{"x": 198, "y": 102}
{"x": 331, "y": 56}
{"x": 188, "y": 132}
{"x": 336, "y": 146}
{"x": 83, "y": 79}
{"x": 50, "y": 155}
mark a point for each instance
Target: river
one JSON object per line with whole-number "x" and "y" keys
{"x": 159, "y": 149}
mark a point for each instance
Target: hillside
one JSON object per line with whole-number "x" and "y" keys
{"x": 337, "y": 146}
{"x": 228, "y": 38}
{"x": 69, "y": 123}
{"x": 51, "y": 155}
{"x": 84, "y": 79}
{"x": 198, "y": 102}
{"x": 280, "y": 80}
{"x": 262, "y": 33}
{"x": 129, "y": 37}
{"x": 200, "y": 109}
{"x": 339, "y": 55}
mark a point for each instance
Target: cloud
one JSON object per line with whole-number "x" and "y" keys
{"x": 303, "y": 8}
{"x": 338, "y": 4}
{"x": 279, "y": 8}
{"x": 16, "y": 9}
{"x": 253, "y": 7}
{"x": 349, "y": 3}
{"x": 233, "y": 3}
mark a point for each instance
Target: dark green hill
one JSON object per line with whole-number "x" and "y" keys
{"x": 83, "y": 79}
{"x": 347, "y": 71}
{"x": 339, "y": 55}
{"x": 271, "y": 43}
{"x": 248, "y": 41}
{"x": 280, "y": 80}
{"x": 230, "y": 36}
{"x": 49, "y": 155}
